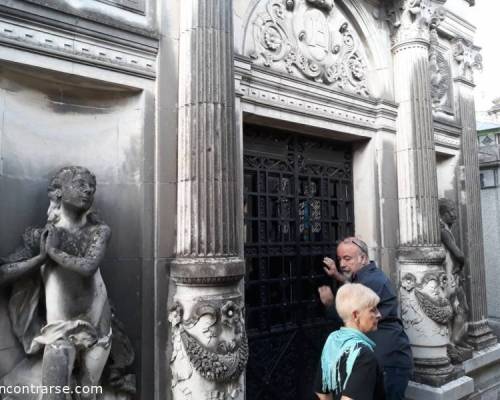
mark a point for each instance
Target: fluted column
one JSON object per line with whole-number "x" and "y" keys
{"x": 420, "y": 255}
{"x": 209, "y": 349}
{"x": 466, "y": 59}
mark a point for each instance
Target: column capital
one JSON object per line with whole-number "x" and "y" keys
{"x": 410, "y": 21}
{"x": 467, "y": 58}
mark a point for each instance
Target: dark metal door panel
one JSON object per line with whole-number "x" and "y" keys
{"x": 298, "y": 204}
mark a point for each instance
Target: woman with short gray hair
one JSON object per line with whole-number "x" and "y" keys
{"x": 349, "y": 369}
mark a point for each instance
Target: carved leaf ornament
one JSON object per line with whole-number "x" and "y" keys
{"x": 216, "y": 366}
{"x": 308, "y": 38}
{"x": 437, "y": 309}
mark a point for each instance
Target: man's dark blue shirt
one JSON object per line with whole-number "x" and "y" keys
{"x": 392, "y": 345}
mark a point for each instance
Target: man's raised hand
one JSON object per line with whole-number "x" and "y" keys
{"x": 331, "y": 269}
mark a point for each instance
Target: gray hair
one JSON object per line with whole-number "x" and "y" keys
{"x": 357, "y": 242}
{"x": 354, "y": 297}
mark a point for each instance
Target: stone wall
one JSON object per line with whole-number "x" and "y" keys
{"x": 77, "y": 87}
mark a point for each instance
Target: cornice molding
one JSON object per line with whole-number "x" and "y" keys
{"x": 76, "y": 47}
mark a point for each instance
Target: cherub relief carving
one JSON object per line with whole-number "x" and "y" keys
{"x": 58, "y": 307}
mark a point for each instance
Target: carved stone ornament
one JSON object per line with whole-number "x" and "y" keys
{"x": 459, "y": 349}
{"x": 58, "y": 307}
{"x": 431, "y": 301}
{"x": 467, "y": 58}
{"x": 440, "y": 71}
{"x": 208, "y": 344}
{"x": 310, "y": 39}
{"x": 425, "y": 298}
{"x": 411, "y": 20}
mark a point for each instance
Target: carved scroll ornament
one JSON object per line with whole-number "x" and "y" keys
{"x": 308, "y": 38}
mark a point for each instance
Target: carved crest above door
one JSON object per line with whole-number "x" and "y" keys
{"x": 310, "y": 39}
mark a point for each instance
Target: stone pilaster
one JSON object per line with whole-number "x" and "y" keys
{"x": 208, "y": 335}
{"x": 467, "y": 58}
{"x": 424, "y": 307}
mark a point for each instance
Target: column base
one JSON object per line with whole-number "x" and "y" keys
{"x": 425, "y": 313}
{"x": 435, "y": 371}
{"x": 480, "y": 335}
{"x": 208, "y": 339}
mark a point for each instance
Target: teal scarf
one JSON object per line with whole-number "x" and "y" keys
{"x": 344, "y": 341}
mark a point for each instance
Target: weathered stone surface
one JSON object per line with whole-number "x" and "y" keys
{"x": 459, "y": 349}
{"x": 309, "y": 39}
{"x": 420, "y": 254}
{"x": 58, "y": 306}
{"x": 206, "y": 314}
{"x": 457, "y": 389}
{"x": 467, "y": 58}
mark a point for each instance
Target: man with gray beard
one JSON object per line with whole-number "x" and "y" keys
{"x": 392, "y": 349}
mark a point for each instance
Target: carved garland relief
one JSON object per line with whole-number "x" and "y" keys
{"x": 308, "y": 38}
{"x": 427, "y": 297}
{"x": 210, "y": 348}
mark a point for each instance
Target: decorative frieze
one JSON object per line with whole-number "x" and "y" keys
{"x": 310, "y": 39}
{"x": 325, "y": 109}
{"x": 77, "y": 48}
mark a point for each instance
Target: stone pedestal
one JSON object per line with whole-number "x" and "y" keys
{"x": 424, "y": 307}
{"x": 457, "y": 389}
{"x": 467, "y": 58}
{"x": 425, "y": 312}
{"x": 206, "y": 314}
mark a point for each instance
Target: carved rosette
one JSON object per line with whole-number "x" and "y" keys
{"x": 310, "y": 39}
{"x": 467, "y": 59}
{"x": 210, "y": 348}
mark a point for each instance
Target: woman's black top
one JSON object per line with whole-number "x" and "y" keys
{"x": 366, "y": 381}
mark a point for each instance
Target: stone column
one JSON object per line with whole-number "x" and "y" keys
{"x": 209, "y": 347}
{"x": 467, "y": 58}
{"x": 420, "y": 255}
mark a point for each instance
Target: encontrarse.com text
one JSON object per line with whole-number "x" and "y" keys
{"x": 44, "y": 389}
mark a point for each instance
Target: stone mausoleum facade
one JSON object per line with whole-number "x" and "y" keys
{"x": 234, "y": 142}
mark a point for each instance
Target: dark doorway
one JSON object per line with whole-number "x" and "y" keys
{"x": 298, "y": 204}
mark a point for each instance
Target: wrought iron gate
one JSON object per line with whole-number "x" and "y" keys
{"x": 298, "y": 204}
